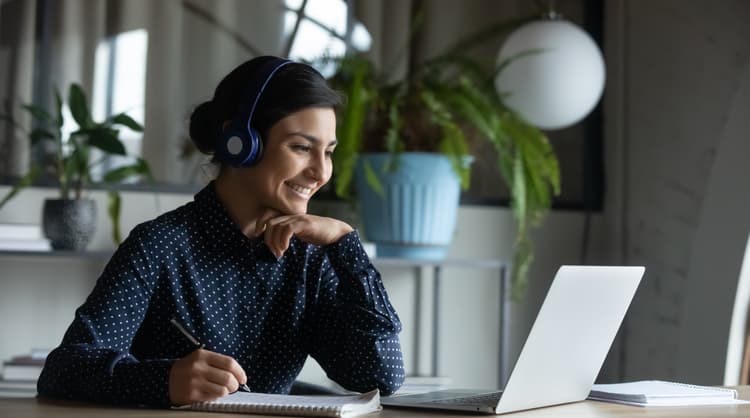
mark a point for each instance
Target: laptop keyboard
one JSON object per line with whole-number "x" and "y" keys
{"x": 484, "y": 399}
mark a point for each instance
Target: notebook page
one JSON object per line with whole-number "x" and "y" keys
{"x": 308, "y": 405}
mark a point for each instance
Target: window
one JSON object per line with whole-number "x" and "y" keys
{"x": 321, "y": 27}
{"x": 120, "y": 86}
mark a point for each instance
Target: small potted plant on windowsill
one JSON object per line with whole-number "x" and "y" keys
{"x": 392, "y": 134}
{"x": 69, "y": 221}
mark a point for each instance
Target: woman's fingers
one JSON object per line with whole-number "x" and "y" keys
{"x": 278, "y": 231}
{"x": 204, "y": 375}
{"x": 230, "y": 367}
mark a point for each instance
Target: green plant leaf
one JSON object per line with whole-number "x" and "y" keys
{"x": 372, "y": 178}
{"x": 78, "y": 106}
{"x": 75, "y": 170}
{"x": 119, "y": 174}
{"x": 114, "y": 206}
{"x": 125, "y": 120}
{"x": 39, "y": 134}
{"x": 34, "y": 172}
{"x": 393, "y": 142}
{"x": 104, "y": 139}
{"x": 58, "y": 110}
{"x": 523, "y": 256}
{"x": 487, "y": 33}
{"x": 38, "y": 113}
{"x": 354, "y": 72}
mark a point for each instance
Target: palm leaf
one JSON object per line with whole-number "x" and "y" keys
{"x": 371, "y": 177}
{"x": 352, "y": 123}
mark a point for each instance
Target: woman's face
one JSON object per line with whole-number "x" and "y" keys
{"x": 296, "y": 160}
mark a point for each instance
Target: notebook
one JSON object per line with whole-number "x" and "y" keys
{"x": 564, "y": 351}
{"x": 662, "y": 393}
{"x": 308, "y": 405}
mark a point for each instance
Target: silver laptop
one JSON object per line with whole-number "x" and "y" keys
{"x": 565, "y": 348}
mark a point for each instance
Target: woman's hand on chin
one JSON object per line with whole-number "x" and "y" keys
{"x": 277, "y": 230}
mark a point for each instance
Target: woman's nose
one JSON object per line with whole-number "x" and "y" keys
{"x": 318, "y": 168}
{"x": 313, "y": 172}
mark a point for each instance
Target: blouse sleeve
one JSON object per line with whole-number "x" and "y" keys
{"x": 356, "y": 327}
{"x": 93, "y": 361}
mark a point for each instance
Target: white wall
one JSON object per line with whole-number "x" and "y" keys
{"x": 684, "y": 103}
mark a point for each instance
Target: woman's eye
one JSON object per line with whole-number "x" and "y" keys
{"x": 329, "y": 153}
{"x": 301, "y": 148}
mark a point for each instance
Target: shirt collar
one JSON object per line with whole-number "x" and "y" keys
{"x": 220, "y": 228}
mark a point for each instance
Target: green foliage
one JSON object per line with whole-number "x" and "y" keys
{"x": 71, "y": 163}
{"x": 442, "y": 106}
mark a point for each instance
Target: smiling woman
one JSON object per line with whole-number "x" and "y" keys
{"x": 296, "y": 162}
{"x": 240, "y": 257}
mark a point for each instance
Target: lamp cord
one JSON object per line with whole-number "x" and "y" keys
{"x": 585, "y": 236}
{"x": 548, "y": 9}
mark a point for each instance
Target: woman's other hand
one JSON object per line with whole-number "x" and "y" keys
{"x": 203, "y": 376}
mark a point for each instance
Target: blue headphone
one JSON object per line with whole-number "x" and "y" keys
{"x": 240, "y": 144}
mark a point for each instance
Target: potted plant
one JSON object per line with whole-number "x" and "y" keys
{"x": 69, "y": 220}
{"x": 435, "y": 113}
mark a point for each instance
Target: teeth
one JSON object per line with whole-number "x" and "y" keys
{"x": 299, "y": 189}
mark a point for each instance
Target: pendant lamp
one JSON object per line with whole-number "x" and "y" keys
{"x": 554, "y": 72}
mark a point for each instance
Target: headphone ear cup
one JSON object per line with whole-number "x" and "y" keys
{"x": 241, "y": 145}
{"x": 256, "y": 148}
{"x": 240, "y": 149}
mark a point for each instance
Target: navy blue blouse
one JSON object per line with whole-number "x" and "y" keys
{"x": 230, "y": 292}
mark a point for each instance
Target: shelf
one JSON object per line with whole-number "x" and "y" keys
{"x": 93, "y": 255}
{"x": 448, "y": 262}
{"x": 379, "y": 261}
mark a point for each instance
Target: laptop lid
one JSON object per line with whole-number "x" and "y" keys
{"x": 565, "y": 349}
{"x": 570, "y": 338}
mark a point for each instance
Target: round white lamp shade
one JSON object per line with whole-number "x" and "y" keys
{"x": 558, "y": 77}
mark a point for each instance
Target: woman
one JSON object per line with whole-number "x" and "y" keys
{"x": 243, "y": 268}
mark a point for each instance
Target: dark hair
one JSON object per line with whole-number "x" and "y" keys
{"x": 294, "y": 87}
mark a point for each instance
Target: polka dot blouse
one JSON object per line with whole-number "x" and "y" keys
{"x": 231, "y": 293}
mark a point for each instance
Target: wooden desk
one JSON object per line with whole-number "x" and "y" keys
{"x": 37, "y": 408}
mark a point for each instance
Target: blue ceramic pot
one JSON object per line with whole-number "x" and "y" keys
{"x": 415, "y": 217}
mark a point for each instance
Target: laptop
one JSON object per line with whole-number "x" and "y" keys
{"x": 564, "y": 351}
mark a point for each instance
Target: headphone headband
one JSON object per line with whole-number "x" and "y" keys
{"x": 241, "y": 145}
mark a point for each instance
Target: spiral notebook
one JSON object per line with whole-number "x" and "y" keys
{"x": 308, "y": 405}
{"x": 663, "y": 393}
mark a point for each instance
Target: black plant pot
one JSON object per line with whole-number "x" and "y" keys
{"x": 69, "y": 224}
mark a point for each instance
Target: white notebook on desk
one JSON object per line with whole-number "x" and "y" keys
{"x": 342, "y": 406}
{"x": 663, "y": 393}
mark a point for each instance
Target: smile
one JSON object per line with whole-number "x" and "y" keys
{"x": 304, "y": 191}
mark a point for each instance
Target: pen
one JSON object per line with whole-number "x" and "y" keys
{"x": 198, "y": 344}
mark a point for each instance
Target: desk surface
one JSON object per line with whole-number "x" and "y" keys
{"x": 37, "y": 408}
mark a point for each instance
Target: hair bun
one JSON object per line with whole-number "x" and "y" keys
{"x": 205, "y": 127}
